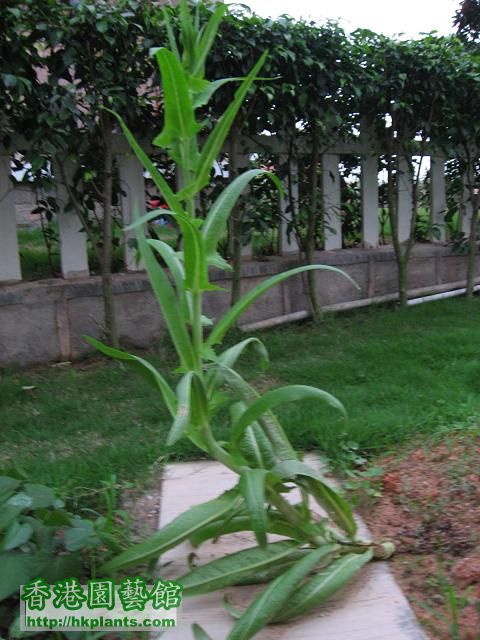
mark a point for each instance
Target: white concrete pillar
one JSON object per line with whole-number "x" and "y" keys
{"x": 73, "y": 241}
{"x": 438, "y": 198}
{"x": 132, "y": 184}
{"x": 404, "y": 198}
{"x": 465, "y": 209}
{"x": 331, "y": 193}
{"x": 9, "y": 256}
{"x": 289, "y": 244}
{"x": 369, "y": 190}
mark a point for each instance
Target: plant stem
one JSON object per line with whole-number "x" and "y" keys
{"x": 197, "y": 329}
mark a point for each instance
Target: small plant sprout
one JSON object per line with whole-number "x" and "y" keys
{"x": 258, "y": 449}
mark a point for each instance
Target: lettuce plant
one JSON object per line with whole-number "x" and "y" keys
{"x": 258, "y": 450}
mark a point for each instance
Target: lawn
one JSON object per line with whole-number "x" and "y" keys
{"x": 398, "y": 373}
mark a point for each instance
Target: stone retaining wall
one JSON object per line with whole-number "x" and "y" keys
{"x": 44, "y": 321}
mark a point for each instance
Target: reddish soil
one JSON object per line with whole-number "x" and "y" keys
{"x": 430, "y": 507}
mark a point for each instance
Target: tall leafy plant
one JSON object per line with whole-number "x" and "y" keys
{"x": 258, "y": 449}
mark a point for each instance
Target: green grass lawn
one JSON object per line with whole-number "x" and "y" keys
{"x": 398, "y": 373}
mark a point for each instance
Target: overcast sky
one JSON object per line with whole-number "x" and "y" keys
{"x": 411, "y": 17}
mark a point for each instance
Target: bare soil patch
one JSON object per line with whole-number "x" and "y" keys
{"x": 430, "y": 507}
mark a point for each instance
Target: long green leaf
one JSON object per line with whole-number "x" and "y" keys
{"x": 169, "y": 303}
{"x": 182, "y": 416}
{"x": 276, "y": 397}
{"x": 289, "y": 469}
{"x": 248, "y": 447}
{"x": 170, "y": 197}
{"x": 199, "y": 633}
{"x": 172, "y": 41}
{"x": 144, "y": 367}
{"x": 175, "y": 267}
{"x": 207, "y": 39}
{"x": 267, "y": 575}
{"x": 187, "y": 30}
{"x": 179, "y": 116}
{"x": 272, "y": 428}
{"x": 324, "y": 585}
{"x": 271, "y": 600}
{"x": 219, "y": 134}
{"x": 196, "y": 267}
{"x": 229, "y": 357}
{"x": 252, "y": 487}
{"x": 275, "y": 524}
{"x": 196, "y": 264}
{"x": 230, "y": 569}
{"x": 333, "y": 503}
{"x": 203, "y": 97}
{"x": 179, "y": 529}
{"x": 217, "y": 218}
{"x": 232, "y": 315}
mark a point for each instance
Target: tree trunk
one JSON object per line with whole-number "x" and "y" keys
{"x": 401, "y": 260}
{"x": 472, "y": 240}
{"x": 312, "y": 228}
{"x": 402, "y": 265}
{"x": 110, "y": 325}
{"x": 472, "y": 257}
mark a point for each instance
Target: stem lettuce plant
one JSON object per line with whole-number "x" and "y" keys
{"x": 258, "y": 449}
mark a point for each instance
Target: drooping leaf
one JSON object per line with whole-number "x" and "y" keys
{"x": 182, "y": 416}
{"x": 337, "y": 508}
{"x": 252, "y": 487}
{"x": 199, "y": 633}
{"x": 248, "y": 447}
{"x": 229, "y": 357}
{"x": 276, "y": 397}
{"x": 169, "y": 304}
{"x": 170, "y": 197}
{"x": 232, "y": 315}
{"x": 271, "y": 600}
{"x": 217, "y": 218}
{"x": 203, "y": 97}
{"x": 275, "y": 525}
{"x": 333, "y": 503}
{"x": 270, "y": 425}
{"x": 144, "y": 367}
{"x": 324, "y": 585}
{"x": 179, "y": 529}
{"x": 267, "y": 575}
{"x": 175, "y": 266}
{"x": 228, "y": 570}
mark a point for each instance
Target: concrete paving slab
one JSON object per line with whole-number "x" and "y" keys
{"x": 371, "y": 608}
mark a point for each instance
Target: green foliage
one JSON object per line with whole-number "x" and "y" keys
{"x": 257, "y": 449}
{"x": 39, "y": 536}
{"x": 467, "y": 20}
